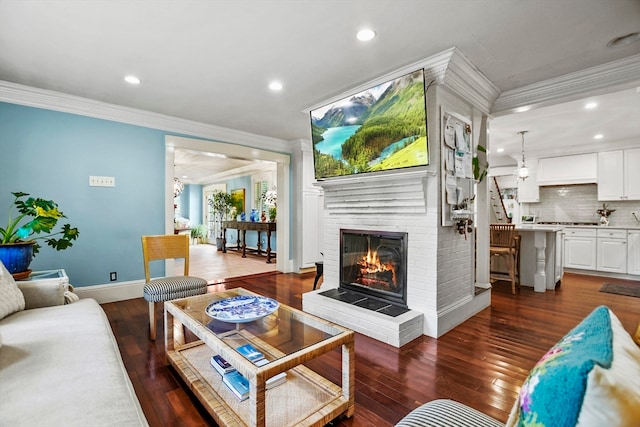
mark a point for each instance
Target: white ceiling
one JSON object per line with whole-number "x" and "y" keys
{"x": 211, "y": 61}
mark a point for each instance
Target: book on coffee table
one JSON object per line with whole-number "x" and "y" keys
{"x": 250, "y": 352}
{"x": 221, "y": 365}
{"x": 276, "y": 380}
{"x": 238, "y": 384}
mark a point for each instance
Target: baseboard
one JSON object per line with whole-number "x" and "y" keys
{"x": 112, "y": 292}
{"x": 454, "y": 315}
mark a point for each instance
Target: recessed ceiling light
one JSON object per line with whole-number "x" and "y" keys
{"x": 275, "y": 86}
{"x": 598, "y": 136}
{"x": 500, "y": 150}
{"x": 365, "y": 35}
{"x": 132, "y": 80}
{"x": 523, "y": 109}
{"x": 590, "y": 105}
{"x": 624, "y": 40}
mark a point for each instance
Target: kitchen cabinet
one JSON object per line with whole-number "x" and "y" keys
{"x": 580, "y": 248}
{"x": 578, "y": 169}
{"x": 528, "y": 190}
{"x": 633, "y": 252}
{"x": 619, "y": 175}
{"x": 612, "y": 251}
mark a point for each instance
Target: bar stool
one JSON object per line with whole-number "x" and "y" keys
{"x": 319, "y": 271}
{"x": 505, "y": 243}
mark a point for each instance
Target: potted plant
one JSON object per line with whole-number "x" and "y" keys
{"x": 220, "y": 203}
{"x": 18, "y": 240}
{"x": 199, "y": 233}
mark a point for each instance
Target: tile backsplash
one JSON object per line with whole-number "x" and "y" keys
{"x": 579, "y": 203}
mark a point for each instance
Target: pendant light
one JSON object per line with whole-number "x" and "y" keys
{"x": 523, "y": 170}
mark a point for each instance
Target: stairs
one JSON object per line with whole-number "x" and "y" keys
{"x": 497, "y": 205}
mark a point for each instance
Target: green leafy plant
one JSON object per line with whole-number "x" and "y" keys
{"x": 220, "y": 203}
{"x": 37, "y": 216}
{"x": 479, "y": 171}
{"x": 199, "y": 231}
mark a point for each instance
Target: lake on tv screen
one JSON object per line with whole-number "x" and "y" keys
{"x": 334, "y": 137}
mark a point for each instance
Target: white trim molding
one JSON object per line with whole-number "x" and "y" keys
{"x": 58, "y": 101}
{"x": 616, "y": 75}
{"x": 111, "y": 292}
{"x": 449, "y": 68}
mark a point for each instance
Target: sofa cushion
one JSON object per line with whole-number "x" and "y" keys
{"x": 61, "y": 366}
{"x": 589, "y": 378}
{"x": 11, "y": 299}
{"x": 447, "y": 413}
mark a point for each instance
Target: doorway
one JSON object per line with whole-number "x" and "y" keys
{"x": 282, "y": 161}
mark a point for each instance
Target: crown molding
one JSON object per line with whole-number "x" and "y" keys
{"x": 449, "y": 68}
{"x": 463, "y": 78}
{"x": 610, "y": 77}
{"x": 57, "y": 101}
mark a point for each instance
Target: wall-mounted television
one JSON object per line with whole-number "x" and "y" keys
{"x": 378, "y": 129}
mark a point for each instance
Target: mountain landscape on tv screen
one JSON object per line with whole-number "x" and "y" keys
{"x": 381, "y": 128}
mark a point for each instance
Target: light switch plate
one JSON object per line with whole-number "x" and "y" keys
{"x": 102, "y": 181}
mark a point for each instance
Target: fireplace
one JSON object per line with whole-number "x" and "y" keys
{"x": 373, "y": 271}
{"x": 374, "y": 263}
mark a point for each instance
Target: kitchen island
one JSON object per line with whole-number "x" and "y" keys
{"x": 540, "y": 256}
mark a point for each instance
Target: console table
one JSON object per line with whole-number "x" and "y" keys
{"x": 243, "y": 226}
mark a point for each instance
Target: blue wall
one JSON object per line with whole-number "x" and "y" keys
{"x": 51, "y": 155}
{"x": 190, "y": 201}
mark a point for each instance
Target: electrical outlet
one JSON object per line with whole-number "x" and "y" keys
{"x": 113, "y": 276}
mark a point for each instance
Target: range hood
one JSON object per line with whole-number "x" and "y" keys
{"x": 568, "y": 170}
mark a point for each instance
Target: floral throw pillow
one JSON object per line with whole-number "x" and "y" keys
{"x": 589, "y": 378}
{"x": 11, "y": 298}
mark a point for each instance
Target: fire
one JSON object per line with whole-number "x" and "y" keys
{"x": 375, "y": 271}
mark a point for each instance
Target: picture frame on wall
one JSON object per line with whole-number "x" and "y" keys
{"x": 238, "y": 200}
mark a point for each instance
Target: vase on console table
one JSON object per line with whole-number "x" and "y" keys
{"x": 263, "y": 216}
{"x": 254, "y": 215}
{"x": 243, "y": 216}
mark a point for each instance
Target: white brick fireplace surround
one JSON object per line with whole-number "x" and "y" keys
{"x": 440, "y": 286}
{"x": 440, "y": 262}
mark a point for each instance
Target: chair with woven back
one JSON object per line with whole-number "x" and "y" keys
{"x": 504, "y": 242}
{"x": 163, "y": 247}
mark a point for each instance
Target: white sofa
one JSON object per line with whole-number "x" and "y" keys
{"x": 59, "y": 363}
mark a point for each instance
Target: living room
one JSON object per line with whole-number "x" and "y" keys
{"x": 53, "y": 137}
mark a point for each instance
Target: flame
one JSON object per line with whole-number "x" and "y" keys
{"x": 371, "y": 264}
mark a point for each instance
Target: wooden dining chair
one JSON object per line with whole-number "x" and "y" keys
{"x": 504, "y": 242}
{"x": 162, "y": 247}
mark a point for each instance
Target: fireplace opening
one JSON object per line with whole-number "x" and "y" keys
{"x": 374, "y": 263}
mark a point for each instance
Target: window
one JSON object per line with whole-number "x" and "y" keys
{"x": 259, "y": 187}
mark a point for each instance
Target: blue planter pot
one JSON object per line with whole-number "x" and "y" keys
{"x": 16, "y": 257}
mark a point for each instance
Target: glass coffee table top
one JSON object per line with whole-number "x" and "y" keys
{"x": 278, "y": 326}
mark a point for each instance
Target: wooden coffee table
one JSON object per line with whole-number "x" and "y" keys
{"x": 288, "y": 338}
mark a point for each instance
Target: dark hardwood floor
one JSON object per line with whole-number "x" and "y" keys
{"x": 481, "y": 363}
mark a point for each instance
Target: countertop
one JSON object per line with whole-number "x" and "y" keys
{"x": 553, "y": 227}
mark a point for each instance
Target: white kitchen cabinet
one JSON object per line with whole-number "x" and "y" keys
{"x": 612, "y": 251}
{"x": 619, "y": 175}
{"x": 578, "y": 169}
{"x": 580, "y": 248}
{"x": 633, "y": 252}
{"x": 528, "y": 190}
{"x": 559, "y": 257}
